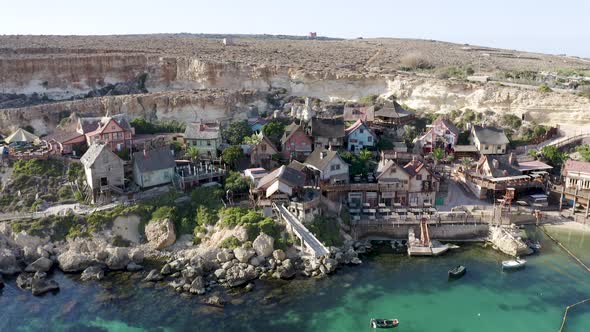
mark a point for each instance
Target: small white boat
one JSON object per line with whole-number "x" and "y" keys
{"x": 513, "y": 264}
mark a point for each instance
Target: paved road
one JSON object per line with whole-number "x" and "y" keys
{"x": 310, "y": 240}
{"x": 458, "y": 195}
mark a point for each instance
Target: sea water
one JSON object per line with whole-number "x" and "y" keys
{"x": 387, "y": 285}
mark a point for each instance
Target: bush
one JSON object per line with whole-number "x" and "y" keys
{"x": 231, "y": 242}
{"x": 166, "y": 126}
{"x": 327, "y": 230}
{"x": 34, "y": 167}
{"x": 236, "y": 183}
{"x": 512, "y": 121}
{"x": 370, "y": 99}
{"x": 414, "y": 61}
{"x": 164, "y": 212}
{"x": 544, "y": 88}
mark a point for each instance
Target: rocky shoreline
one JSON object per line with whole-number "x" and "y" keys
{"x": 33, "y": 259}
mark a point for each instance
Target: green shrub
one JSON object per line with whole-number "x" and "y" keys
{"x": 327, "y": 230}
{"x": 544, "y": 88}
{"x": 164, "y": 212}
{"x": 34, "y": 167}
{"x": 237, "y": 183}
{"x": 231, "y": 242}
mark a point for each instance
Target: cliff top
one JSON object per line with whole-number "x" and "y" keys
{"x": 379, "y": 56}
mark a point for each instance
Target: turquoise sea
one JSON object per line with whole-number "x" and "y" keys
{"x": 414, "y": 290}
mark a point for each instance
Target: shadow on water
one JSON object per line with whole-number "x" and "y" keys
{"x": 416, "y": 290}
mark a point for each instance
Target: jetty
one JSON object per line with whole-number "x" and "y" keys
{"x": 424, "y": 246}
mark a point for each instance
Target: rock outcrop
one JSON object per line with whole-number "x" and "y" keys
{"x": 263, "y": 245}
{"x": 160, "y": 233}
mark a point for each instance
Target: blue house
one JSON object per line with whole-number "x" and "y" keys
{"x": 256, "y": 124}
{"x": 360, "y": 136}
{"x": 153, "y": 167}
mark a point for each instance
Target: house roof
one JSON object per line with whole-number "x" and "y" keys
{"x": 92, "y": 154}
{"x": 365, "y": 113}
{"x": 331, "y": 128}
{"x": 576, "y": 166}
{"x": 414, "y": 167}
{"x": 268, "y": 142}
{"x": 448, "y": 124}
{"x": 97, "y": 124}
{"x": 297, "y": 165}
{"x": 286, "y": 174}
{"x": 385, "y": 165}
{"x": 320, "y": 158}
{"x": 199, "y": 130}
{"x": 256, "y": 173}
{"x": 533, "y": 165}
{"x": 21, "y": 135}
{"x": 507, "y": 165}
{"x": 358, "y": 124}
{"x": 395, "y": 111}
{"x": 290, "y": 130}
{"x": 154, "y": 160}
{"x": 62, "y": 136}
{"x": 490, "y": 135}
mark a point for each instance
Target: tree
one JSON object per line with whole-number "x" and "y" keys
{"x": 254, "y": 139}
{"x": 466, "y": 162}
{"x": 232, "y": 154}
{"x": 584, "y": 151}
{"x": 438, "y": 154}
{"x": 236, "y": 183}
{"x": 274, "y": 131}
{"x": 512, "y": 121}
{"x": 365, "y": 155}
{"x": 236, "y": 132}
{"x": 533, "y": 153}
{"x": 193, "y": 153}
{"x": 410, "y": 133}
{"x": 554, "y": 156}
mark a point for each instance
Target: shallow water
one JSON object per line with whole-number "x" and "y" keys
{"x": 414, "y": 290}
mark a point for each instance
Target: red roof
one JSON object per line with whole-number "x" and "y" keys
{"x": 576, "y": 166}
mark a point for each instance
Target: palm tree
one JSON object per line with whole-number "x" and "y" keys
{"x": 193, "y": 153}
{"x": 365, "y": 155}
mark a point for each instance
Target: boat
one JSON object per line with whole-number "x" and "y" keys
{"x": 536, "y": 246}
{"x": 513, "y": 264}
{"x": 457, "y": 272}
{"x": 378, "y": 323}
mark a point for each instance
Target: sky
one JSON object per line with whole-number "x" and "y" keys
{"x": 555, "y": 27}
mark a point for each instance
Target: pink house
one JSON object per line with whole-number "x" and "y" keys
{"x": 115, "y": 131}
{"x": 295, "y": 143}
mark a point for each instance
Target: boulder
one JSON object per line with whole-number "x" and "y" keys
{"x": 215, "y": 301}
{"x": 236, "y": 275}
{"x": 279, "y": 255}
{"x": 136, "y": 255}
{"x": 166, "y": 270}
{"x": 191, "y": 272}
{"x": 263, "y": 245}
{"x": 219, "y": 273}
{"x": 40, "y": 265}
{"x": 160, "y": 233}
{"x": 197, "y": 286}
{"x": 133, "y": 267}
{"x": 71, "y": 261}
{"x": 244, "y": 254}
{"x": 8, "y": 264}
{"x": 153, "y": 276}
{"x": 177, "y": 284}
{"x": 249, "y": 287}
{"x": 24, "y": 280}
{"x": 228, "y": 265}
{"x": 330, "y": 265}
{"x": 118, "y": 258}
{"x": 225, "y": 255}
{"x": 42, "y": 286}
{"x": 256, "y": 261}
{"x": 22, "y": 239}
{"x": 356, "y": 261}
{"x": 92, "y": 273}
{"x": 286, "y": 270}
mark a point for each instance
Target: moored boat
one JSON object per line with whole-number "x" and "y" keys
{"x": 379, "y": 323}
{"x": 457, "y": 272}
{"x": 513, "y": 264}
{"x": 536, "y": 246}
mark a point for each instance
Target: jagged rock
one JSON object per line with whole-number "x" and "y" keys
{"x": 160, "y": 233}
{"x": 287, "y": 269}
{"x": 177, "y": 265}
{"x": 92, "y": 273}
{"x": 236, "y": 275}
{"x": 41, "y": 252}
{"x": 42, "y": 286}
{"x": 176, "y": 284}
{"x": 118, "y": 258}
{"x": 330, "y": 265}
{"x": 24, "y": 240}
{"x": 356, "y": 261}
{"x": 227, "y": 265}
{"x": 8, "y": 264}
{"x": 153, "y": 276}
{"x": 263, "y": 245}
{"x": 166, "y": 270}
{"x": 42, "y": 264}
{"x": 191, "y": 272}
{"x": 133, "y": 267}
{"x": 198, "y": 286}
{"x": 215, "y": 301}
{"x": 249, "y": 287}
{"x": 244, "y": 254}
{"x": 219, "y": 273}
{"x": 30, "y": 254}
{"x": 70, "y": 261}
{"x": 24, "y": 280}
{"x": 225, "y": 255}
{"x": 136, "y": 255}
{"x": 256, "y": 261}
{"x": 279, "y": 255}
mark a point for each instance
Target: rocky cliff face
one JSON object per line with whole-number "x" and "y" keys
{"x": 168, "y": 78}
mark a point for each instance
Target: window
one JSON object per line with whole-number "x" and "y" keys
{"x": 370, "y": 139}
{"x": 419, "y": 177}
{"x": 362, "y": 131}
{"x": 104, "y": 182}
{"x": 335, "y": 167}
{"x": 263, "y": 147}
{"x": 485, "y": 147}
{"x": 113, "y": 127}
{"x": 428, "y": 177}
{"x": 208, "y": 143}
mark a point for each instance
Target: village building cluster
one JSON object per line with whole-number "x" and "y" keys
{"x": 316, "y": 158}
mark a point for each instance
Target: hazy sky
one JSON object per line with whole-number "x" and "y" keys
{"x": 533, "y": 25}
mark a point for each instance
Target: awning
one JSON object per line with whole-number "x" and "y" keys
{"x": 510, "y": 178}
